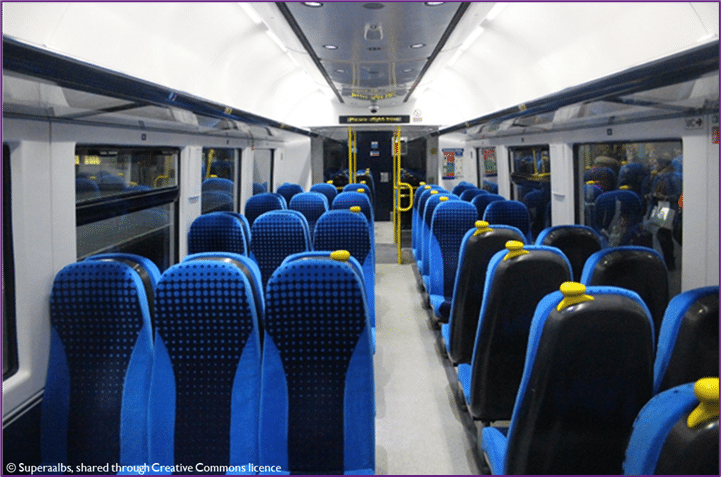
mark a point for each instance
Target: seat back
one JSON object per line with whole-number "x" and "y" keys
{"x": 449, "y": 224}
{"x": 604, "y": 177}
{"x": 217, "y": 232}
{"x": 274, "y": 236}
{"x": 614, "y": 213}
{"x": 204, "y": 398}
{"x": 430, "y": 207}
{"x": 312, "y": 205}
{"x": 348, "y": 199}
{"x": 346, "y": 230}
{"x": 356, "y": 188}
{"x": 216, "y": 183}
{"x": 509, "y": 212}
{"x": 588, "y": 372}
{"x": 328, "y": 190}
{"x": 688, "y": 343}
{"x": 577, "y": 242}
{"x": 259, "y": 204}
{"x": 459, "y": 188}
{"x": 94, "y": 408}
{"x": 674, "y": 435}
{"x": 477, "y": 248}
{"x": 216, "y": 201}
{"x": 469, "y": 194}
{"x": 639, "y": 269}
{"x": 517, "y": 280}
{"x": 480, "y": 202}
{"x": 317, "y": 403}
{"x": 419, "y": 226}
{"x": 288, "y": 191}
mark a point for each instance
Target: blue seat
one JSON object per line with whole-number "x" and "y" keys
{"x": 259, "y": 188}
{"x": 276, "y": 235}
{"x": 217, "y": 232}
{"x": 94, "y": 408}
{"x": 257, "y": 205}
{"x": 244, "y": 224}
{"x": 674, "y": 435}
{"x": 312, "y": 205}
{"x": 449, "y": 224}
{"x": 288, "y": 191}
{"x": 86, "y": 189}
{"x": 688, "y": 343}
{"x": 517, "y": 279}
{"x": 110, "y": 183}
{"x": 577, "y": 242}
{"x": 470, "y": 193}
{"x": 538, "y": 202}
{"x": 639, "y": 269}
{"x": 616, "y": 212}
{"x": 317, "y": 402}
{"x": 204, "y": 397}
{"x": 480, "y": 202}
{"x": 632, "y": 175}
{"x": 419, "y": 226}
{"x": 346, "y": 200}
{"x": 347, "y": 230}
{"x": 326, "y": 189}
{"x": 509, "y": 212}
{"x": 425, "y": 262}
{"x": 215, "y": 183}
{"x": 459, "y": 188}
{"x": 491, "y": 187}
{"x": 477, "y": 248}
{"x": 215, "y": 201}
{"x": 582, "y": 386}
{"x": 356, "y": 188}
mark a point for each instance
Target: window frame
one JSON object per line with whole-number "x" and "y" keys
{"x": 10, "y": 348}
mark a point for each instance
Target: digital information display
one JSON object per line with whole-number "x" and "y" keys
{"x": 399, "y": 119}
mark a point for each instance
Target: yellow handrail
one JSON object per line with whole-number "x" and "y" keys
{"x": 397, "y": 196}
{"x": 352, "y": 155}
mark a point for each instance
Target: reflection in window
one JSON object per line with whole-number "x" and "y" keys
{"x": 127, "y": 201}
{"x": 632, "y": 194}
{"x": 219, "y": 175}
{"x": 262, "y": 171}
{"x": 10, "y": 358}
{"x": 531, "y": 183}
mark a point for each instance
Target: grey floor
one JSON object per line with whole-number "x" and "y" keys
{"x": 421, "y": 426}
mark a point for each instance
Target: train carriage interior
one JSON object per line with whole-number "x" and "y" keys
{"x": 360, "y": 238}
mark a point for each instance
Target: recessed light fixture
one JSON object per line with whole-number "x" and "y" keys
{"x": 408, "y": 70}
{"x": 330, "y": 47}
{"x": 434, "y": 4}
{"x": 340, "y": 71}
{"x": 313, "y": 4}
{"x": 373, "y": 5}
{"x": 418, "y": 45}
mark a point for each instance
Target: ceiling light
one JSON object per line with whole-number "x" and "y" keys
{"x": 340, "y": 71}
{"x": 434, "y": 4}
{"x": 408, "y": 70}
{"x": 330, "y": 47}
{"x": 373, "y": 6}
{"x": 418, "y": 45}
{"x": 313, "y": 4}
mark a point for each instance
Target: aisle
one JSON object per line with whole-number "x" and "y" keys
{"x": 420, "y": 428}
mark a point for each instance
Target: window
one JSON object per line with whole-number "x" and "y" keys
{"x": 10, "y": 357}
{"x": 219, "y": 176}
{"x": 649, "y": 211}
{"x": 531, "y": 183}
{"x": 127, "y": 201}
{"x": 263, "y": 171}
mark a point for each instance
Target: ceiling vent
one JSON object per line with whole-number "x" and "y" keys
{"x": 373, "y": 33}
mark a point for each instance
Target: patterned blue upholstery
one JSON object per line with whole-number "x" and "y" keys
{"x": 639, "y": 269}
{"x": 288, "y": 190}
{"x": 346, "y": 230}
{"x": 480, "y": 202}
{"x": 419, "y": 205}
{"x": 470, "y": 193}
{"x": 354, "y": 188}
{"x": 537, "y": 202}
{"x": 461, "y": 187}
{"x": 662, "y": 443}
{"x": 204, "y": 398}
{"x": 632, "y": 175}
{"x": 346, "y": 200}
{"x": 86, "y": 189}
{"x": 274, "y": 236}
{"x": 476, "y": 252}
{"x": 451, "y": 220}
{"x": 259, "y": 188}
{"x": 425, "y": 263}
{"x": 688, "y": 343}
{"x": 217, "y": 232}
{"x": 215, "y": 183}
{"x": 581, "y": 389}
{"x": 514, "y": 286}
{"x": 614, "y": 213}
{"x": 312, "y": 205}
{"x": 317, "y": 403}
{"x": 94, "y": 409}
{"x": 262, "y": 203}
{"x": 216, "y": 201}
{"x": 577, "y": 242}
{"x": 244, "y": 223}
{"x": 491, "y": 187}
{"x": 509, "y": 212}
{"x": 326, "y": 189}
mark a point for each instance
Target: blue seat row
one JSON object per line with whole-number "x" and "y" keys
{"x": 202, "y": 388}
